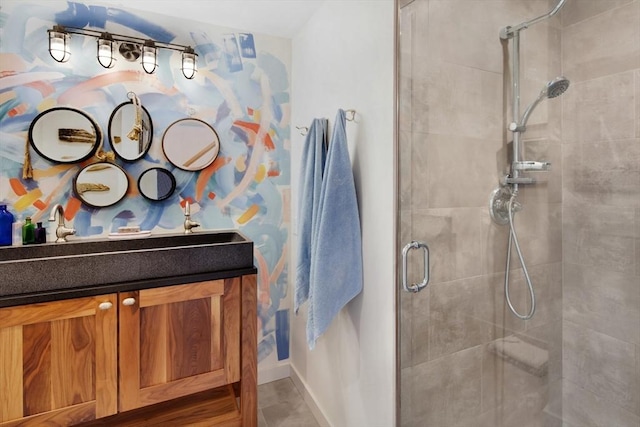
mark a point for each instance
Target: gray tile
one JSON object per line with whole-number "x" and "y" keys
{"x": 613, "y": 44}
{"x": 278, "y": 392}
{"x": 445, "y": 391}
{"x": 601, "y": 364}
{"x": 281, "y": 405}
{"x": 292, "y": 414}
{"x": 582, "y": 408}
{"x": 605, "y": 301}
{"x": 598, "y": 110}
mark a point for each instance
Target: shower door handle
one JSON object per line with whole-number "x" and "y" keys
{"x": 415, "y": 287}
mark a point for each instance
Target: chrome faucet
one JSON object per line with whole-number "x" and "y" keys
{"x": 188, "y": 224}
{"x": 61, "y": 231}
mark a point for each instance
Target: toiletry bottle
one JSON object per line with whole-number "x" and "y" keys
{"x": 6, "y": 226}
{"x": 28, "y": 232}
{"x": 41, "y": 234}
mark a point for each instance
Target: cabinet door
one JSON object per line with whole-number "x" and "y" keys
{"x": 58, "y": 362}
{"x": 178, "y": 340}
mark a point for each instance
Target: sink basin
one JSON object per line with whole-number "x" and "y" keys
{"x": 82, "y": 263}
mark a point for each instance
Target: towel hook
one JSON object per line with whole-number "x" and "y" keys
{"x": 350, "y": 115}
{"x": 303, "y": 130}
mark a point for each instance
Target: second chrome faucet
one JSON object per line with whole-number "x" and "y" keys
{"x": 188, "y": 224}
{"x": 61, "y": 230}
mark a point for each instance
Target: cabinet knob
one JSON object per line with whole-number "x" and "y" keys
{"x": 105, "y": 305}
{"x": 128, "y": 301}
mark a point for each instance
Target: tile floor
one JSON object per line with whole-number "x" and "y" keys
{"x": 281, "y": 405}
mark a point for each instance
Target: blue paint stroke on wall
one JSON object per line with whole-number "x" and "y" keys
{"x": 282, "y": 334}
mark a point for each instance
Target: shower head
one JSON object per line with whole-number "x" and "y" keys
{"x": 553, "y": 89}
{"x": 556, "y": 87}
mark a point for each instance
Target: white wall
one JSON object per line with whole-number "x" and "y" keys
{"x": 344, "y": 58}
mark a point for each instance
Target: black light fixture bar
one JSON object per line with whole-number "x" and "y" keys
{"x": 61, "y": 33}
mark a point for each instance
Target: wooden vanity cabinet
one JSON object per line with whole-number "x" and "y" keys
{"x": 58, "y": 362}
{"x": 173, "y": 355}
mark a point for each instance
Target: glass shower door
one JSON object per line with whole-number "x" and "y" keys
{"x": 464, "y": 359}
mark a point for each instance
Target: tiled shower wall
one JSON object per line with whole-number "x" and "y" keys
{"x": 601, "y": 213}
{"x": 455, "y": 103}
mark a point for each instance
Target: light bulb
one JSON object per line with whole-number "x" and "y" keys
{"x": 149, "y": 57}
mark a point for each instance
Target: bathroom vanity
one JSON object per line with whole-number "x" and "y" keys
{"x": 166, "y": 346}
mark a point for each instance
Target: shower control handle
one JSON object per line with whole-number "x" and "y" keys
{"x": 415, "y": 287}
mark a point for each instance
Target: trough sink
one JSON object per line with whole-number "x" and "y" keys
{"x": 84, "y": 263}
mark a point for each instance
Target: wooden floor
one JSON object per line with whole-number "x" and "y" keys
{"x": 211, "y": 407}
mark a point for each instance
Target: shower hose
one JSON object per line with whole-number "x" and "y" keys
{"x": 513, "y": 237}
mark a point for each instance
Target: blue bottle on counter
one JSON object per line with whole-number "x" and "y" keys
{"x": 6, "y": 226}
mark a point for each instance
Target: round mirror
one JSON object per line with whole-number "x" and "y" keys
{"x": 101, "y": 184}
{"x": 121, "y": 124}
{"x": 190, "y": 144}
{"x": 64, "y": 135}
{"x": 157, "y": 184}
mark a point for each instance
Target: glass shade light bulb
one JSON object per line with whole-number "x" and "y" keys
{"x": 105, "y": 51}
{"x": 59, "y": 44}
{"x": 149, "y": 63}
{"x": 189, "y": 65}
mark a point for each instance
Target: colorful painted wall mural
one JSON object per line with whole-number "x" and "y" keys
{"x": 241, "y": 89}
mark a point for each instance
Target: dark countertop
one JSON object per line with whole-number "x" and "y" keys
{"x": 53, "y": 271}
{"x": 47, "y": 296}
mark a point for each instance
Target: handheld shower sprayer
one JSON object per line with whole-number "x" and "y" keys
{"x": 553, "y": 89}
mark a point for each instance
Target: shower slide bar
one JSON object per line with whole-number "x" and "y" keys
{"x": 351, "y": 116}
{"x": 508, "y": 32}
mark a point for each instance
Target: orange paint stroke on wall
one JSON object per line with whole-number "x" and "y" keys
{"x": 45, "y": 88}
{"x": 52, "y": 171}
{"x": 207, "y": 173}
{"x": 268, "y": 142}
{"x": 249, "y": 175}
{"x": 277, "y": 271}
{"x": 17, "y": 187}
{"x": 72, "y": 208}
{"x": 264, "y": 297}
{"x": 16, "y": 111}
{"x": 39, "y": 204}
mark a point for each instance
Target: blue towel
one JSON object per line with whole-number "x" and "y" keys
{"x": 311, "y": 169}
{"x": 336, "y": 263}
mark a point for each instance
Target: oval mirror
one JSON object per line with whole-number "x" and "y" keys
{"x": 121, "y": 124}
{"x": 64, "y": 135}
{"x": 101, "y": 184}
{"x": 190, "y": 144}
{"x": 156, "y": 184}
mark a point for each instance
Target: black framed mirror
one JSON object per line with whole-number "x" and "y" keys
{"x": 121, "y": 123}
{"x": 156, "y": 184}
{"x": 101, "y": 184}
{"x": 190, "y": 144}
{"x": 64, "y": 135}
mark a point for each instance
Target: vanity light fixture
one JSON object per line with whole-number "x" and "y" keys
{"x": 149, "y": 54}
{"x": 189, "y": 66}
{"x": 59, "y": 44}
{"x": 106, "y": 45}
